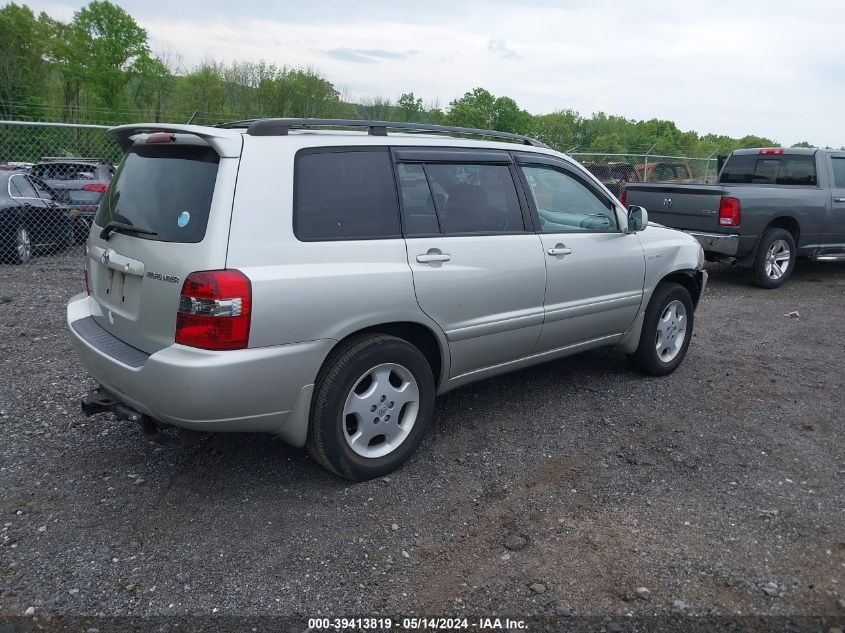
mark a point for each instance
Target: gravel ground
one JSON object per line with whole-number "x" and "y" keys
{"x": 576, "y": 488}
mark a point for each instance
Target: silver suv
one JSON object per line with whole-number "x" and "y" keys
{"x": 323, "y": 280}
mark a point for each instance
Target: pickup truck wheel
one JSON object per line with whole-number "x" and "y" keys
{"x": 373, "y": 404}
{"x": 667, "y": 330}
{"x": 774, "y": 260}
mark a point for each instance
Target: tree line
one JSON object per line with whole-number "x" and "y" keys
{"x": 99, "y": 68}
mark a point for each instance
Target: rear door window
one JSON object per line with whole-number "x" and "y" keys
{"x": 419, "y": 217}
{"x": 165, "y": 188}
{"x": 838, "y": 163}
{"x": 475, "y": 198}
{"x": 345, "y": 195}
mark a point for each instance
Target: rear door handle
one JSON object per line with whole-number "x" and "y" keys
{"x": 434, "y": 256}
{"x": 559, "y": 250}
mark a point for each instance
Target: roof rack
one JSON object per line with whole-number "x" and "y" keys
{"x": 281, "y": 127}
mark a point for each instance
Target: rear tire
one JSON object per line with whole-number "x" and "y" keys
{"x": 21, "y": 251}
{"x": 373, "y": 404}
{"x": 774, "y": 260}
{"x": 667, "y": 331}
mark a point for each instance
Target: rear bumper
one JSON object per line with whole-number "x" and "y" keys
{"x": 721, "y": 243}
{"x": 260, "y": 390}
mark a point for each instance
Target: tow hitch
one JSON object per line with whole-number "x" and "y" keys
{"x": 100, "y": 401}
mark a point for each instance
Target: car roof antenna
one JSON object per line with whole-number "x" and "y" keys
{"x": 191, "y": 118}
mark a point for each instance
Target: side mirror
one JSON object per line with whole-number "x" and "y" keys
{"x": 637, "y": 219}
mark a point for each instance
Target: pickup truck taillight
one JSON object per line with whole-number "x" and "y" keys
{"x": 623, "y": 198}
{"x": 729, "y": 211}
{"x": 214, "y": 310}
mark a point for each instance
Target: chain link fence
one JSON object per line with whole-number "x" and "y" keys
{"x": 52, "y": 177}
{"x": 616, "y": 170}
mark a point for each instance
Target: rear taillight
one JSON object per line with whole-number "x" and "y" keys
{"x": 623, "y": 198}
{"x": 772, "y": 151}
{"x": 729, "y": 211}
{"x": 98, "y": 188}
{"x": 214, "y": 310}
{"x": 85, "y": 269}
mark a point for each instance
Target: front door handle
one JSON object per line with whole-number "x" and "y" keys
{"x": 434, "y": 256}
{"x": 839, "y": 199}
{"x": 559, "y": 250}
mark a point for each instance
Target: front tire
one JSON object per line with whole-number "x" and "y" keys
{"x": 667, "y": 331}
{"x": 373, "y": 404}
{"x": 775, "y": 259}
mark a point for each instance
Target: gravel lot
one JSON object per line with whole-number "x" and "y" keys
{"x": 719, "y": 489}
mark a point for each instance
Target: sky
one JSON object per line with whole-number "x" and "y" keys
{"x": 773, "y": 68}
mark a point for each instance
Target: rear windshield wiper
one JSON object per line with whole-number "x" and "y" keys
{"x": 120, "y": 227}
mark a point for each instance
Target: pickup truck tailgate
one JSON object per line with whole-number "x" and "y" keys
{"x": 687, "y": 207}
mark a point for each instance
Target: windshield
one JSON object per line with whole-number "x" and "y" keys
{"x": 163, "y": 188}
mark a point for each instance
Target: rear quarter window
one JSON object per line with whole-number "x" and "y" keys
{"x": 164, "y": 188}
{"x": 345, "y": 195}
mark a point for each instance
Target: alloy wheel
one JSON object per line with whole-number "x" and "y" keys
{"x": 671, "y": 331}
{"x": 381, "y": 410}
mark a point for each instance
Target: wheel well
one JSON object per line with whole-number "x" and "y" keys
{"x": 417, "y": 335}
{"x": 688, "y": 280}
{"x": 788, "y": 224}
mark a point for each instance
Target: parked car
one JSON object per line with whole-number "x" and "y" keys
{"x": 30, "y": 218}
{"x": 613, "y": 175}
{"x": 768, "y": 207}
{"x": 80, "y": 183}
{"x": 663, "y": 171}
{"x": 272, "y": 281}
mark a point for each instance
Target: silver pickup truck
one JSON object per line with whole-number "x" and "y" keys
{"x": 767, "y": 207}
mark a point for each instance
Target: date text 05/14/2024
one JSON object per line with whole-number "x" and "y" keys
{"x": 417, "y": 624}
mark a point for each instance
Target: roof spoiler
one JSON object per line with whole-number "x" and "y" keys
{"x": 227, "y": 143}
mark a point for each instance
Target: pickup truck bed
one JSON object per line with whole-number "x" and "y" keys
{"x": 811, "y": 212}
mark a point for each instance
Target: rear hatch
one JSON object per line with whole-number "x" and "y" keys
{"x": 689, "y": 207}
{"x": 172, "y": 199}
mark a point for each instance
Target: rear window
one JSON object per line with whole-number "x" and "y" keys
{"x": 163, "y": 188}
{"x": 345, "y": 195}
{"x": 66, "y": 171}
{"x": 796, "y": 169}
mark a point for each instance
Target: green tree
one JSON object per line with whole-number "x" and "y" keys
{"x": 112, "y": 44}
{"x": 480, "y": 109}
{"x": 560, "y": 130}
{"x": 152, "y": 84}
{"x": 66, "y": 52}
{"x": 202, "y": 91}
{"x": 409, "y": 107}
{"x": 475, "y": 109}
{"x": 23, "y": 67}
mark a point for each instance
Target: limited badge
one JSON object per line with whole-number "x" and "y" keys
{"x": 183, "y": 219}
